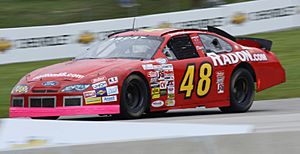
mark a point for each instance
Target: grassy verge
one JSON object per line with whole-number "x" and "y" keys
{"x": 286, "y": 46}
{"x": 19, "y": 13}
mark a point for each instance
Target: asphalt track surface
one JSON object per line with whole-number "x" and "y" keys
{"x": 265, "y": 116}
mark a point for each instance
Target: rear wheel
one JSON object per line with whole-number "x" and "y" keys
{"x": 134, "y": 97}
{"x": 241, "y": 91}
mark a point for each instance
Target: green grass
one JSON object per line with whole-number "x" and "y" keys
{"x": 20, "y": 13}
{"x": 285, "y": 44}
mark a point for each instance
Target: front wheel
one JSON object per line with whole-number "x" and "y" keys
{"x": 241, "y": 92}
{"x": 134, "y": 97}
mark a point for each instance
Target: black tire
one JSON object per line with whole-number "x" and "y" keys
{"x": 134, "y": 97}
{"x": 241, "y": 92}
{"x": 46, "y": 118}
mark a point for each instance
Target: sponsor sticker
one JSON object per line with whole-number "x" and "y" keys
{"x": 113, "y": 80}
{"x": 106, "y": 99}
{"x": 167, "y": 67}
{"x": 153, "y": 80}
{"x": 170, "y": 102}
{"x": 152, "y": 74}
{"x": 89, "y": 94}
{"x": 171, "y": 90}
{"x": 171, "y": 96}
{"x": 101, "y": 78}
{"x": 163, "y": 92}
{"x": 148, "y": 67}
{"x": 154, "y": 85}
{"x": 50, "y": 83}
{"x": 220, "y": 82}
{"x": 101, "y": 92}
{"x": 170, "y": 84}
{"x": 235, "y": 57}
{"x": 158, "y": 103}
{"x": 155, "y": 96}
{"x": 93, "y": 100}
{"x": 163, "y": 84}
{"x": 157, "y": 67}
{"x": 161, "y": 60}
{"x": 113, "y": 90}
{"x": 155, "y": 91}
{"x": 99, "y": 85}
{"x": 64, "y": 74}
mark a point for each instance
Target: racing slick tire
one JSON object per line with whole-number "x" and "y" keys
{"x": 134, "y": 97}
{"x": 241, "y": 92}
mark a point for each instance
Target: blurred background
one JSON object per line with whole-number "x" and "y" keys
{"x": 21, "y": 13}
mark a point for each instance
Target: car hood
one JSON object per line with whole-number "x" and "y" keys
{"x": 77, "y": 69}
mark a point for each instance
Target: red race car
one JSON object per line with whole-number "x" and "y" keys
{"x": 152, "y": 70}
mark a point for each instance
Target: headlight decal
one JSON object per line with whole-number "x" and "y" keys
{"x": 75, "y": 88}
{"x": 23, "y": 88}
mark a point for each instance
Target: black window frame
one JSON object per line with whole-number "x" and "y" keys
{"x": 179, "y": 53}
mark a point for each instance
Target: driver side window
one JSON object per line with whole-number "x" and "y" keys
{"x": 214, "y": 44}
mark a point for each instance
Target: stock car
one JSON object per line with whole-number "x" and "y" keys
{"x": 152, "y": 71}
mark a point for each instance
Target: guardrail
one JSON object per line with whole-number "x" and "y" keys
{"x": 68, "y": 40}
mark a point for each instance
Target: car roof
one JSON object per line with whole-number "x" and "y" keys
{"x": 156, "y": 32}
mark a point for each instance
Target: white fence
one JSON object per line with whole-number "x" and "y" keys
{"x": 68, "y": 40}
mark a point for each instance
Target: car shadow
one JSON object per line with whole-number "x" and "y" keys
{"x": 170, "y": 114}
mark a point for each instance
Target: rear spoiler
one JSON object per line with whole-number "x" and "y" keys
{"x": 245, "y": 41}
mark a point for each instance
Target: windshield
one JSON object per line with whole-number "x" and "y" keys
{"x": 129, "y": 47}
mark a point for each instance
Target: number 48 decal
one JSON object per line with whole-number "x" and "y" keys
{"x": 203, "y": 84}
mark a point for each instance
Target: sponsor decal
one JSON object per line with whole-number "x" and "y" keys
{"x": 99, "y": 85}
{"x": 152, "y": 74}
{"x": 148, "y": 67}
{"x": 235, "y": 57}
{"x": 167, "y": 67}
{"x": 153, "y": 80}
{"x": 239, "y": 18}
{"x": 64, "y": 74}
{"x": 113, "y": 80}
{"x": 171, "y": 90}
{"x": 4, "y": 45}
{"x": 163, "y": 84}
{"x": 101, "y": 78}
{"x": 163, "y": 92}
{"x": 155, "y": 96}
{"x": 89, "y": 94}
{"x": 50, "y": 83}
{"x": 155, "y": 91}
{"x": 93, "y": 100}
{"x": 106, "y": 99}
{"x": 170, "y": 102}
{"x": 113, "y": 90}
{"x": 171, "y": 96}
{"x": 154, "y": 85}
{"x": 157, "y": 103}
{"x": 220, "y": 82}
{"x": 157, "y": 67}
{"x": 170, "y": 84}
{"x": 161, "y": 75}
{"x": 168, "y": 78}
{"x": 21, "y": 89}
{"x": 86, "y": 38}
{"x": 101, "y": 92}
{"x": 161, "y": 60}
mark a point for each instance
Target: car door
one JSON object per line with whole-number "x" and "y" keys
{"x": 193, "y": 72}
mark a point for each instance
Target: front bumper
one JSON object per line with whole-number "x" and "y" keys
{"x": 63, "y": 111}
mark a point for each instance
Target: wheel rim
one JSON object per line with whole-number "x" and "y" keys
{"x": 133, "y": 95}
{"x": 240, "y": 89}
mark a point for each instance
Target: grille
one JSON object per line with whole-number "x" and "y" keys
{"x": 18, "y": 102}
{"x": 73, "y": 101}
{"x": 44, "y": 91}
{"x": 48, "y": 102}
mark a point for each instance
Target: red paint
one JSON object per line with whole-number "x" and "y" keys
{"x": 268, "y": 73}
